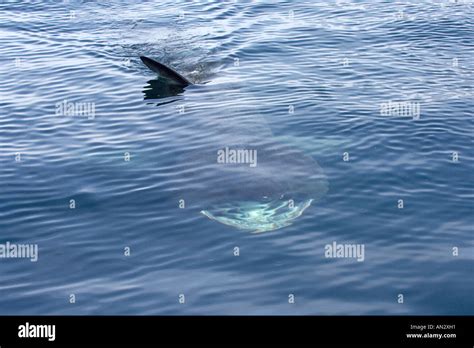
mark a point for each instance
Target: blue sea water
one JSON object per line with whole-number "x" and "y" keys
{"x": 302, "y": 83}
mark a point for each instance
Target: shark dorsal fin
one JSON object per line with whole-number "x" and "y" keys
{"x": 165, "y": 72}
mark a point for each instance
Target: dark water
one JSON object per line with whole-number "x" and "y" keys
{"x": 301, "y": 84}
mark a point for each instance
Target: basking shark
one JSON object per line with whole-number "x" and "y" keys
{"x": 233, "y": 170}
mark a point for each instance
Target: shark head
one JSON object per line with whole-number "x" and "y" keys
{"x": 268, "y": 196}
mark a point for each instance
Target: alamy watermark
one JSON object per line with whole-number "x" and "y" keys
{"x": 336, "y": 250}
{"x": 75, "y": 109}
{"x": 28, "y": 330}
{"x": 401, "y": 109}
{"x": 22, "y": 251}
{"x": 237, "y": 156}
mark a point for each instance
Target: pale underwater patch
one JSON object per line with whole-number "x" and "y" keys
{"x": 257, "y": 216}
{"x": 314, "y": 146}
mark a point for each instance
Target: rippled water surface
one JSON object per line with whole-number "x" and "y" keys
{"x": 99, "y": 157}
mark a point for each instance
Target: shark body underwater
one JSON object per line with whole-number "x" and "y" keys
{"x": 266, "y": 196}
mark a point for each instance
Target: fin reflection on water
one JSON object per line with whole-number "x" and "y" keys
{"x": 160, "y": 88}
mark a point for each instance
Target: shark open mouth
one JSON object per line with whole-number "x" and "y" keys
{"x": 259, "y": 217}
